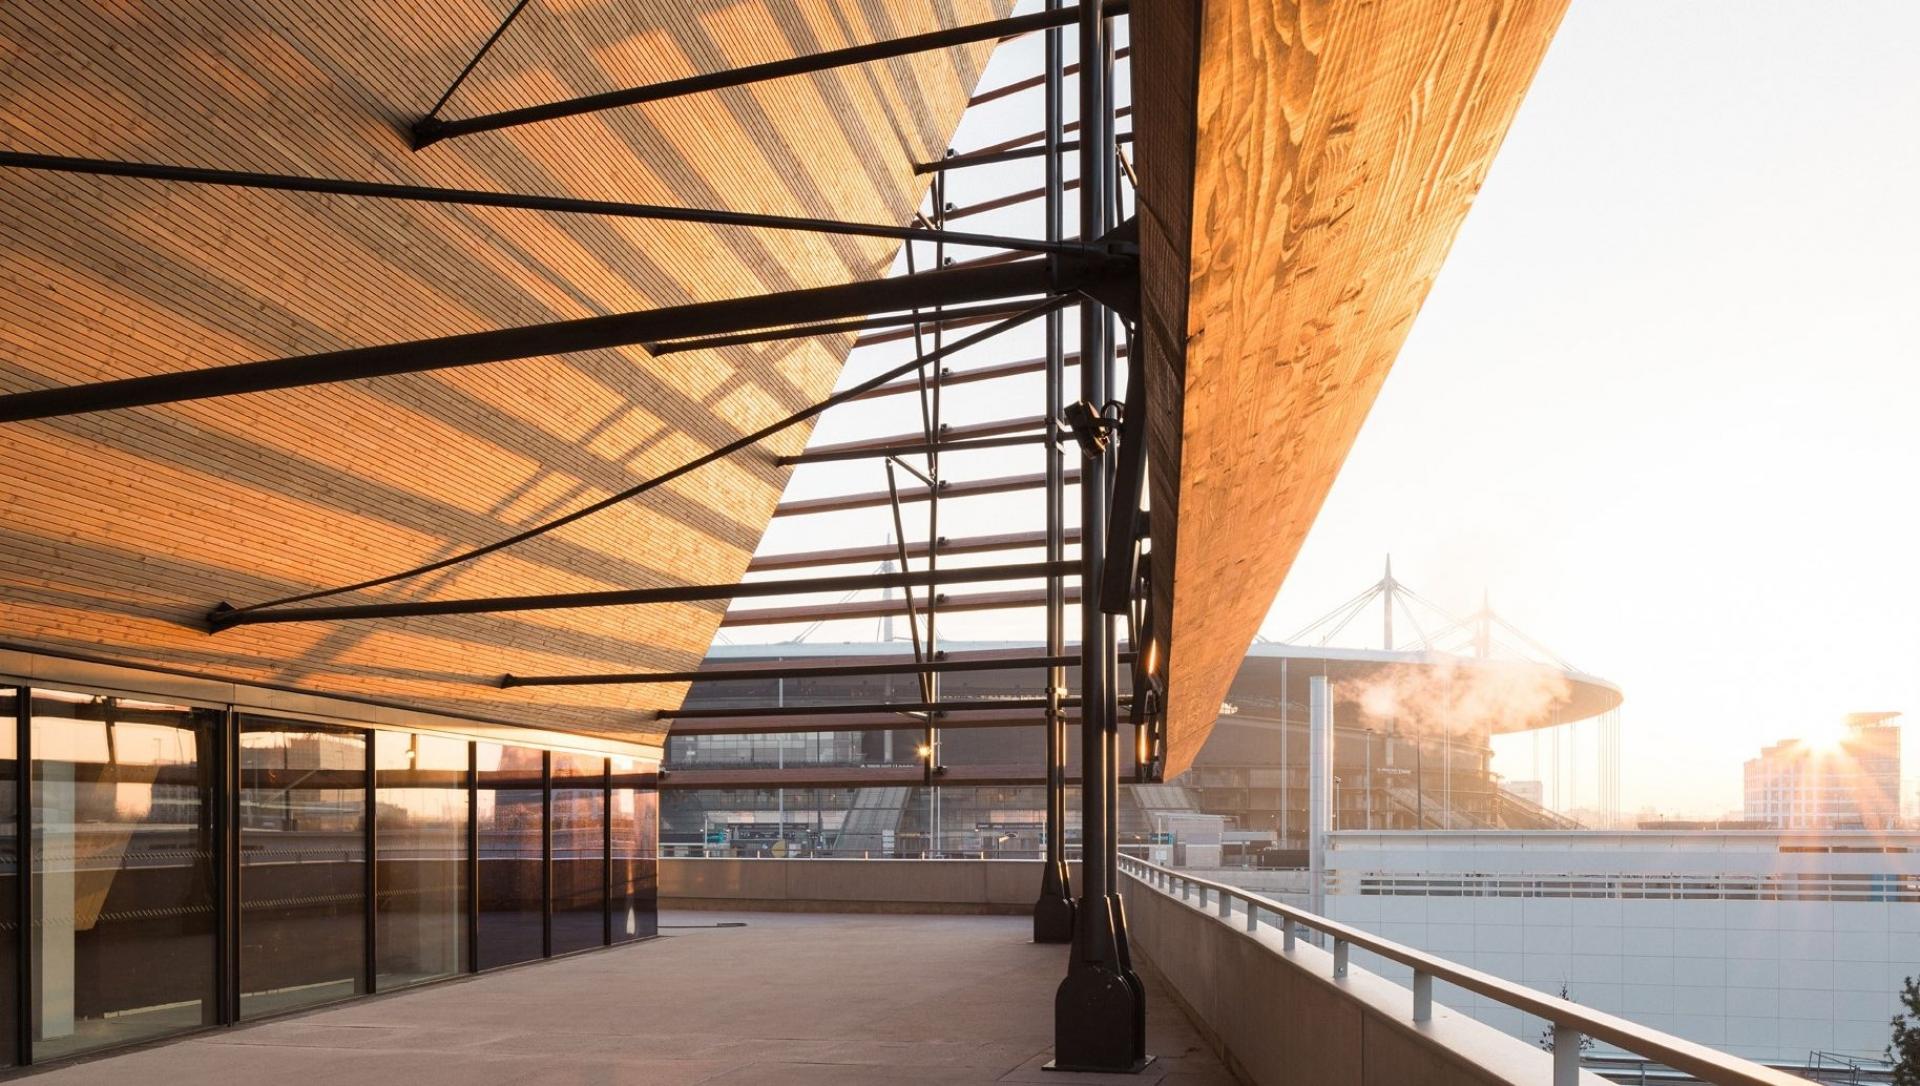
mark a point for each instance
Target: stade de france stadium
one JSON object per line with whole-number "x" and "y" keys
{"x": 752, "y": 790}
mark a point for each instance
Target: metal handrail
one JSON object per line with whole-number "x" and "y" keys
{"x": 1571, "y": 1021}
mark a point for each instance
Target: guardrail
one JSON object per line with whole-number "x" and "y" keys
{"x": 762, "y": 850}
{"x": 1571, "y": 1021}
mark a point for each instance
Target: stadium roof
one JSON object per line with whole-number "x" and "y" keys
{"x": 118, "y": 530}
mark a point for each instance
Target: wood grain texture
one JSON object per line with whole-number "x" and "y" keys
{"x": 118, "y": 531}
{"x": 1337, "y": 147}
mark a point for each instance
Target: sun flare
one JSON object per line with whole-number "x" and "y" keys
{"x": 1826, "y": 735}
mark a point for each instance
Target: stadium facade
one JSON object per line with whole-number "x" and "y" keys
{"x": 1420, "y": 758}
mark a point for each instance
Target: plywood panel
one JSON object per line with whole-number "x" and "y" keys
{"x": 1337, "y": 147}
{"x": 118, "y": 531}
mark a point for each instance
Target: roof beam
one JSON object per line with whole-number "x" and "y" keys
{"x": 971, "y": 488}
{"x": 860, "y": 722}
{"x": 880, "y": 552}
{"x": 923, "y": 448}
{"x": 936, "y": 707}
{"x": 949, "y": 318}
{"x": 430, "y": 130}
{"x": 1039, "y": 275}
{"x": 970, "y": 430}
{"x": 681, "y": 780}
{"x": 927, "y": 324}
{"x": 784, "y": 670}
{"x": 224, "y": 617}
{"x": 974, "y": 601}
{"x": 988, "y": 158}
{"x": 379, "y": 190}
{"x": 1031, "y": 82}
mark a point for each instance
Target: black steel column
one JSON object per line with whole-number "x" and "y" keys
{"x": 1099, "y": 1012}
{"x": 370, "y": 964}
{"x": 23, "y": 875}
{"x": 473, "y": 857}
{"x": 236, "y": 876}
{"x": 226, "y": 885}
{"x": 1112, "y": 209}
{"x": 1053, "y": 912}
{"x": 606, "y": 851}
{"x": 546, "y": 854}
{"x": 940, "y": 260}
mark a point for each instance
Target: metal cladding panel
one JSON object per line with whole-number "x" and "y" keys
{"x": 118, "y": 531}
{"x": 1334, "y": 148}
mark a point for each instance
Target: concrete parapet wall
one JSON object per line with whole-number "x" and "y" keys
{"x": 1279, "y": 1016}
{"x": 878, "y": 886}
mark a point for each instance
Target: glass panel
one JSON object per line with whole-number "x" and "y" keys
{"x": 579, "y": 852}
{"x": 9, "y": 872}
{"x": 420, "y": 888}
{"x": 303, "y": 864}
{"x": 123, "y": 904}
{"x": 512, "y": 886}
{"x": 636, "y": 830}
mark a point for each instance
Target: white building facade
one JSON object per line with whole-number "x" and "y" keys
{"x": 1853, "y": 783}
{"x": 1770, "y": 945}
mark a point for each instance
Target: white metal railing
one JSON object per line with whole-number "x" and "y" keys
{"x": 1570, "y": 1020}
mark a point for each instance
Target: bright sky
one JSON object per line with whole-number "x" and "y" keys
{"x": 1661, "y": 403}
{"x": 1662, "y": 400}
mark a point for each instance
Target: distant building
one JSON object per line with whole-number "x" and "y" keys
{"x": 1853, "y": 783}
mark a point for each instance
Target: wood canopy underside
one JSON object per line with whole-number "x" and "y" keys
{"x": 1305, "y": 169}
{"x": 119, "y": 530}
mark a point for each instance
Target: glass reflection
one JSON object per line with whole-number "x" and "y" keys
{"x": 635, "y": 828}
{"x": 303, "y": 864}
{"x": 420, "y": 888}
{"x": 512, "y": 857}
{"x": 579, "y": 852}
{"x": 123, "y": 904}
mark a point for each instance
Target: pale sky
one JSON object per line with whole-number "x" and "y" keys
{"x": 1661, "y": 402}
{"x": 1662, "y": 399}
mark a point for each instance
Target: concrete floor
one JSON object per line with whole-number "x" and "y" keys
{"x": 788, "y": 1000}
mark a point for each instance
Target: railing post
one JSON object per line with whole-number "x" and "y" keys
{"x": 1286, "y": 934}
{"x": 1253, "y": 916}
{"x": 1566, "y": 1055}
{"x": 1186, "y": 889}
{"x": 1226, "y": 904}
{"x": 1340, "y": 961}
{"x": 1422, "y": 996}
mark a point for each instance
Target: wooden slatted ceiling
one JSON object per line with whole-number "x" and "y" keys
{"x": 1331, "y": 150}
{"x": 118, "y": 531}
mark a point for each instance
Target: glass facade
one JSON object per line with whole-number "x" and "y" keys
{"x": 579, "y": 852}
{"x": 633, "y": 830}
{"x": 420, "y": 834}
{"x": 122, "y": 933}
{"x": 510, "y": 813}
{"x": 193, "y": 866}
{"x": 303, "y": 864}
